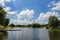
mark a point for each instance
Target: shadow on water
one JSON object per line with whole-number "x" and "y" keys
{"x": 3, "y": 35}
{"x": 35, "y": 34}
{"x": 54, "y": 35}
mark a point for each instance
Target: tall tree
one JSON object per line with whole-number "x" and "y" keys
{"x": 3, "y": 20}
{"x": 53, "y": 21}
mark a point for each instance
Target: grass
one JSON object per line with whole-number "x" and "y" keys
{"x": 5, "y": 28}
{"x": 8, "y": 28}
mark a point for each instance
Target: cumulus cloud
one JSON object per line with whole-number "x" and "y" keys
{"x": 19, "y": 22}
{"x": 26, "y": 14}
{"x": 57, "y": 6}
{"x": 47, "y": 15}
{"x": 23, "y": 17}
{"x": 7, "y": 9}
{"x": 2, "y": 2}
{"x": 54, "y": 5}
{"x": 12, "y": 21}
{"x": 12, "y": 13}
{"x": 50, "y": 4}
{"x": 43, "y": 17}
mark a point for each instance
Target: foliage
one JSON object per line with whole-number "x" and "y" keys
{"x": 3, "y": 20}
{"x": 53, "y": 21}
{"x": 12, "y": 25}
{"x": 6, "y": 22}
{"x": 35, "y": 25}
{"x": 59, "y": 22}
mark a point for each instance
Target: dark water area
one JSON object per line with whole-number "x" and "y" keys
{"x": 54, "y": 35}
{"x": 3, "y": 35}
{"x": 30, "y": 34}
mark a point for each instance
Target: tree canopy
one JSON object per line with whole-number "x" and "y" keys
{"x": 53, "y": 21}
{"x": 3, "y": 20}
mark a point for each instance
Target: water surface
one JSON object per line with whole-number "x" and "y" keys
{"x": 27, "y": 34}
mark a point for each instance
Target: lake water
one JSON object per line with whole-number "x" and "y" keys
{"x": 26, "y": 34}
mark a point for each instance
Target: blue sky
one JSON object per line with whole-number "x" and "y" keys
{"x": 27, "y": 11}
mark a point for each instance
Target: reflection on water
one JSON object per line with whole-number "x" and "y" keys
{"x": 40, "y": 34}
{"x": 3, "y": 35}
{"x": 54, "y": 35}
{"x": 35, "y": 34}
{"x": 30, "y": 34}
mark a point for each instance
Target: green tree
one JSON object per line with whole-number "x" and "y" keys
{"x": 6, "y": 22}
{"x": 53, "y": 21}
{"x": 59, "y": 22}
{"x": 3, "y": 20}
{"x": 12, "y": 25}
{"x": 35, "y": 25}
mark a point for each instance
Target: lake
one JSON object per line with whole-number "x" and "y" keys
{"x": 28, "y": 34}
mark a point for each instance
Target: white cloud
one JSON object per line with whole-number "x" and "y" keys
{"x": 8, "y": 0}
{"x": 26, "y": 14}
{"x": 2, "y": 2}
{"x": 47, "y": 15}
{"x": 12, "y": 13}
{"x": 20, "y": 22}
{"x": 50, "y": 4}
{"x": 25, "y": 22}
{"x": 56, "y": 5}
{"x": 12, "y": 21}
{"x": 43, "y": 17}
{"x": 23, "y": 17}
{"x": 7, "y": 9}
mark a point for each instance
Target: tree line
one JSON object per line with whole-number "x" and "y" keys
{"x": 53, "y": 22}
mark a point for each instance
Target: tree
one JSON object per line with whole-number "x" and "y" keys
{"x": 3, "y": 20}
{"x": 59, "y": 22}
{"x": 35, "y": 25}
{"x": 53, "y": 21}
{"x": 12, "y": 25}
{"x": 6, "y": 22}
